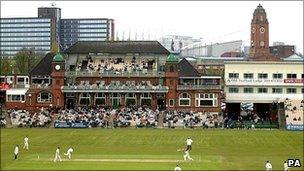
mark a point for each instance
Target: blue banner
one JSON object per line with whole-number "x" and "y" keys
{"x": 294, "y": 127}
{"x": 70, "y": 125}
{"x": 61, "y": 125}
{"x": 79, "y": 125}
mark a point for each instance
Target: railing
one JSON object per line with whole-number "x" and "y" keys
{"x": 197, "y": 87}
{"x": 20, "y": 86}
{"x": 147, "y": 73}
{"x": 41, "y": 86}
{"x": 110, "y": 89}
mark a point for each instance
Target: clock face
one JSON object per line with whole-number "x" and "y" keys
{"x": 57, "y": 67}
{"x": 262, "y": 43}
{"x": 262, "y": 30}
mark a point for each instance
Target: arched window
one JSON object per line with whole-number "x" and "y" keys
{"x": 184, "y": 99}
{"x": 44, "y": 97}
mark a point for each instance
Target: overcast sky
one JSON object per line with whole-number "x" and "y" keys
{"x": 212, "y": 21}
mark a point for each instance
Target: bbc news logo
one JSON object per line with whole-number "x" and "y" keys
{"x": 294, "y": 163}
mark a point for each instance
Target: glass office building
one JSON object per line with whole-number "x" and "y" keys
{"x": 73, "y": 30}
{"x": 48, "y": 32}
{"x": 19, "y": 33}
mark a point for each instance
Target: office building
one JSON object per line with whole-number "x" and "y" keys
{"x": 19, "y": 33}
{"x": 49, "y": 32}
{"x": 73, "y": 30}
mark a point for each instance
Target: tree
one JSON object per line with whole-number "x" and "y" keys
{"x": 5, "y": 66}
{"x": 26, "y": 60}
{"x": 55, "y": 47}
{"x": 21, "y": 60}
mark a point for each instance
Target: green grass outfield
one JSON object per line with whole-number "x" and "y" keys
{"x": 150, "y": 149}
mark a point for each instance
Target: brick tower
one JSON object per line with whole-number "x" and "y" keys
{"x": 58, "y": 70}
{"x": 259, "y": 45}
{"x": 171, "y": 75}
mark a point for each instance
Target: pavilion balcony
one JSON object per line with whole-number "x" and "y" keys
{"x": 41, "y": 86}
{"x": 115, "y": 89}
{"x": 198, "y": 87}
{"x": 110, "y": 73}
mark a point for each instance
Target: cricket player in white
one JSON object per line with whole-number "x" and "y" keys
{"x": 16, "y": 152}
{"x": 25, "y": 142}
{"x": 286, "y": 168}
{"x": 187, "y": 155}
{"x": 69, "y": 152}
{"x": 268, "y": 166}
{"x": 177, "y": 168}
{"x": 57, "y": 155}
{"x": 189, "y": 143}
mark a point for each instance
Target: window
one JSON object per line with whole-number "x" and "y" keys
{"x": 302, "y": 90}
{"x": 291, "y": 76}
{"x": 44, "y": 97}
{"x": 277, "y": 90}
{"x": 145, "y": 99}
{"x": 262, "y": 90}
{"x": 248, "y": 90}
{"x": 171, "y": 102}
{"x": 171, "y": 69}
{"x": 130, "y": 99}
{"x": 302, "y": 76}
{"x": 205, "y": 100}
{"x": 262, "y": 76}
{"x": 100, "y": 99}
{"x": 277, "y": 76}
{"x": 291, "y": 90}
{"x": 15, "y": 98}
{"x": 248, "y": 76}
{"x": 84, "y": 99}
{"x": 233, "y": 75}
{"x": 233, "y": 90}
{"x": 184, "y": 99}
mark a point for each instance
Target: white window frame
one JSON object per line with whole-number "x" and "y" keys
{"x": 248, "y": 88}
{"x": 263, "y": 91}
{"x": 206, "y": 96}
{"x": 171, "y": 104}
{"x": 49, "y": 100}
{"x": 233, "y": 88}
{"x": 188, "y": 97}
{"x": 291, "y": 92}
{"x": 276, "y": 92}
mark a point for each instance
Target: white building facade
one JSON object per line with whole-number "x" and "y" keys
{"x": 262, "y": 83}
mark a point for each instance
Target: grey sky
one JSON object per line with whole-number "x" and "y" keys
{"x": 214, "y": 21}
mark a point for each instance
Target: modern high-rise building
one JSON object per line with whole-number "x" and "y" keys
{"x": 73, "y": 30}
{"x": 48, "y": 32}
{"x": 19, "y": 33}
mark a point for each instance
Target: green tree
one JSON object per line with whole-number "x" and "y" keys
{"x": 21, "y": 60}
{"x": 26, "y": 60}
{"x": 5, "y": 66}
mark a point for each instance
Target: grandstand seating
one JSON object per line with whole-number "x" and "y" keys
{"x": 294, "y": 111}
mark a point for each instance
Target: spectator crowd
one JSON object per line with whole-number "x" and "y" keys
{"x": 23, "y": 118}
{"x": 101, "y": 117}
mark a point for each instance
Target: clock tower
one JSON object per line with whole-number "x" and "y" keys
{"x": 58, "y": 72}
{"x": 259, "y": 44}
{"x": 171, "y": 75}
